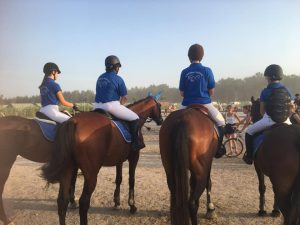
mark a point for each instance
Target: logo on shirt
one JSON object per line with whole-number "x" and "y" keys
{"x": 44, "y": 90}
{"x": 103, "y": 82}
{"x": 194, "y": 76}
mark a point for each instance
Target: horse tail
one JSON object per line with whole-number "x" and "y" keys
{"x": 62, "y": 153}
{"x": 179, "y": 177}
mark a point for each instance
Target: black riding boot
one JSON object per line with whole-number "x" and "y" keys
{"x": 221, "y": 149}
{"x": 134, "y": 130}
{"x": 249, "y": 147}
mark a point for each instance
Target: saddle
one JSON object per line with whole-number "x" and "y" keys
{"x": 260, "y": 136}
{"x": 47, "y": 126}
{"x": 200, "y": 108}
{"x": 42, "y": 116}
{"x": 122, "y": 125}
{"x": 204, "y": 110}
{"x": 105, "y": 113}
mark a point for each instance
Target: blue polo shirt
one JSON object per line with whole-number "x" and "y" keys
{"x": 196, "y": 81}
{"x": 48, "y": 92}
{"x": 110, "y": 87}
{"x": 268, "y": 90}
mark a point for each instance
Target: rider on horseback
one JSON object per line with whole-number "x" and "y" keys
{"x": 271, "y": 107}
{"x": 51, "y": 94}
{"x": 197, "y": 85}
{"x": 111, "y": 95}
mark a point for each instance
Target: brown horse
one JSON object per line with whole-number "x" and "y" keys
{"x": 89, "y": 141}
{"x": 188, "y": 142}
{"x": 21, "y": 136}
{"x": 279, "y": 158}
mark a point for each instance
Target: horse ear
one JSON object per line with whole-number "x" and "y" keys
{"x": 252, "y": 99}
{"x": 157, "y": 96}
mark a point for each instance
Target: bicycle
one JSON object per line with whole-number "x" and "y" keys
{"x": 234, "y": 146}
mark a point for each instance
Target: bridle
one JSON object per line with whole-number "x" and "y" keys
{"x": 148, "y": 119}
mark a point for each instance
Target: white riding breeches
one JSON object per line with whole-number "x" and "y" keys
{"x": 263, "y": 124}
{"x": 52, "y": 111}
{"x": 118, "y": 110}
{"x": 214, "y": 113}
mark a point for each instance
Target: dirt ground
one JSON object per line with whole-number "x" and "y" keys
{"x": 234, "y": 193}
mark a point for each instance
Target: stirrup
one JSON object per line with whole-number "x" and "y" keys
{"x": 248, "y": 160}
{"x": 220, "y": 152}
{"x": 137, "y": 146}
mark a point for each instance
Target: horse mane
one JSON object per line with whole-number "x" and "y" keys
{"x": 136, "y": 102}
{"x": 255, "y": 109}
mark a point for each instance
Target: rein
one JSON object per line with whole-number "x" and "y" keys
{"x": 144, "y": 119}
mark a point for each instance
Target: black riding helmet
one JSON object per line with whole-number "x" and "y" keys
{"x": 112, "y": 61}
{"x": 274, "y": 72}
{"x": 196, "y": 52}
{"x": 49, "y": 67}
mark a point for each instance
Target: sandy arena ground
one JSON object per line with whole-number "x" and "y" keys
{"x": 234, "y": 193}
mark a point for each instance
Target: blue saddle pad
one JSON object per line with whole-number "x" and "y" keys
{"x": 257, "y": 143}
{"x": 124, "y": 130}
{"x": 48, "y": 129}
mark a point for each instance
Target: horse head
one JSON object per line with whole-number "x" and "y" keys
{"x": 255, "y": 109}
{"x": 148, "y": 109}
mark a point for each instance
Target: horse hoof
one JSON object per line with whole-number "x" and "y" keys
{"x": 262, "y": 213}
{"x": 133, "y": 209}
{"x": 275, "y": 213}
{"x": 73, "y": 205}
{"x": 11, "y": 223}
{"x": 211, "y": 215}
{"x": 117, "y": 207}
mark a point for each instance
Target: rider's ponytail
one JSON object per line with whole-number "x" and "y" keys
{"x": 44, "y": 79}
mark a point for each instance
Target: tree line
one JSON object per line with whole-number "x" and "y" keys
{"x": 227, "y": 90}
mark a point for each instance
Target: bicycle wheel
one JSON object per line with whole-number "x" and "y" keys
{"x": 237, "y": 147}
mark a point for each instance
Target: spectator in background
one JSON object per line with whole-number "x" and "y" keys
{"x": 247, "y": 120}
{"x": 297, "y": 102}
{"x": 232, "y": 121}
{"x": 294, "y": 115}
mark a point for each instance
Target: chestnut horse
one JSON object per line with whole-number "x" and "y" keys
{"x": 89, "y": 141}
{"x": 279, "y": 158}
{"x": 188, "y": 142}
{"x": 21, "y": 136}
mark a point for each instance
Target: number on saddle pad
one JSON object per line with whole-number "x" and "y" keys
{"x": 277, "y": 105}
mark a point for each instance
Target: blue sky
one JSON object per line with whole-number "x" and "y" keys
{"x": 151, "y": 39}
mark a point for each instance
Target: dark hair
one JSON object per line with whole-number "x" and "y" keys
{"x": 196, "y": 52}
{"x": 44, "y": 79}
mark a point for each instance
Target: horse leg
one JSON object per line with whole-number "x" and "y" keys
{"x": 73, "y": 204}
{"x": 64, "y": 195}
{"x": 195, "y": 193}
{"x": 133, "y": 159}
{"x": 210, "y": 208}
{"x": 275, "y": 211}
{"x": 262, "y": 190}
{"x": 118, "y": 184}
{"x": 85, "y": 199}
{"x": 5, "y": 167}
{"x": 284, "y": 203}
